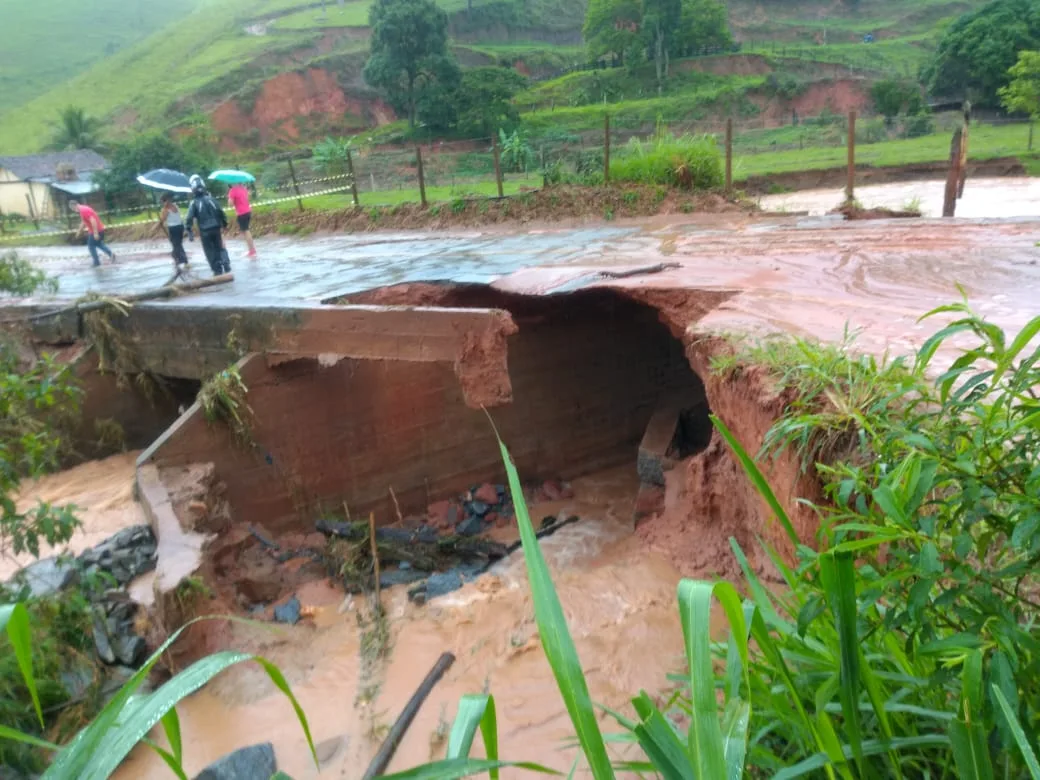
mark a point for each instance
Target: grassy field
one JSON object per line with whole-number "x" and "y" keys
{"x": 986, "y": 143}
{"x": 438, "y": 194}
{"x": 48, "y": 43}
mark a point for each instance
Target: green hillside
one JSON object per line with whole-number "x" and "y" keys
{"x": 221, "y": 47}
{"x": 46, "y": 44}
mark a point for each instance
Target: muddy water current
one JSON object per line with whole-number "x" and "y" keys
{"x": 102, "y": 492}
{"x": 992, "y": 197}
{"x": 619, "y": 601}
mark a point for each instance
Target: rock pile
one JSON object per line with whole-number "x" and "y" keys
{"x": 486, "y": 506}
{"x": 107, "y": 568}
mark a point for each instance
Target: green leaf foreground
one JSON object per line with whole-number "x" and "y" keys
{"x": 98, "y": 750}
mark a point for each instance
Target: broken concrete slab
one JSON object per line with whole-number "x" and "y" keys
{"x": 656, "y": 447}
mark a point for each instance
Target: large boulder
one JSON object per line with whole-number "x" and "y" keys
{"x": 255, "y": 762}
{"x": 45, "y": 577}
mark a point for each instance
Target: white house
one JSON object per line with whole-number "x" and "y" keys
{"x": 39, "y": 185}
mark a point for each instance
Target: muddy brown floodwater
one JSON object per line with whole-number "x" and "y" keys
{"x": 618, "y": 598}
{"x": 102, "y": 491}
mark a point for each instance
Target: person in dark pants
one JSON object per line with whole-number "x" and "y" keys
{"x": 170, "y": 218}
{"x": 95, "y": 230}
{"x": 212, "y": 221}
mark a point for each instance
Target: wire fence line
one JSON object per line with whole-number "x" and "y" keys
{"x": 491, "y": 167}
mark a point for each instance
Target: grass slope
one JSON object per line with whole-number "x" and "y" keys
{"x": 51, "y": 42}
{"x": 146, "y": 79}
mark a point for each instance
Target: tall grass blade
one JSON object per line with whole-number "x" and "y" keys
{"x": 476, "y": 710}
{"x": 873, "y": 747}
{"x": 6, "y": 732}
{"x": 970, "y": 754}
{"x": 839, "y": 581}
{"x": 1016, "y": 730}
{"x": 705, "y": 739}
{"x": 170, "y": 760}
{"x": 757, "y": 479}
{"x": 457, "y": 768}
{"x": 172, "y": 726}
{"x": 15, "y": 618}
{"x": 660, "y": 742}
{"x": 556, "y": 639}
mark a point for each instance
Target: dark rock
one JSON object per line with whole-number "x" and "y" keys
{"x": 46, "y": 577}
{"x": 442, "y": 582}
{"x": 255, "y": 762}
{"x": 479, "y": 508}
{"x": 289, "y": 612}
{"x": 471, "y": 526}
{"x": 400, "y": 576}
{"x": 124, "y": 555}
{"x": 78, "y": 678}
{"x": 102, "y": 643}
{"x": 130, "y": 650}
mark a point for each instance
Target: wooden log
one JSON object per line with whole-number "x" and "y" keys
{"x": 953, "y": 176}
{"x": 404, "y": 720}
{"x": 166, "y": 291}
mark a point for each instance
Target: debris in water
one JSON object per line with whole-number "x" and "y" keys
{"x": 289, "y": 612}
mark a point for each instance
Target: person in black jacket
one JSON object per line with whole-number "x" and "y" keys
{"x": 212, "y": 221}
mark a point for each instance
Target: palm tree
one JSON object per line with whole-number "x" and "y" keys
{"x": 76, "y": 130}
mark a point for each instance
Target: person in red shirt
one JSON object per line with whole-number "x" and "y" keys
{"x": 95, "y": 229}
{"x": 238, "y": 197}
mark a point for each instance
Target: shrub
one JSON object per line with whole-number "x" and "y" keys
{"x": 288, "y": 229}
{"x": 918, "y": 125}
{"x": 688, "y": 162}
{"x": 906, "y": 646}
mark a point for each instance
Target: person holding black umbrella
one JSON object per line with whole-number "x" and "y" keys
{"x": 212, "y": 221}
{"x": 170, "y": 219}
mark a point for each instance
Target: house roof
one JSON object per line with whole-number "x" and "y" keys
{"x": 38, "y": 166}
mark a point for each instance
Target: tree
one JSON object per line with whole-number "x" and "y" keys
{"x": 704, "y": 25}
{"x": 1022, "y": 94}
{"x": 76, "y": 130}
{"x": 626, "y": 30}
{"x": 892, "y": 98}
{"x": 975, "y": 54}
{"x": 484, "y": 99}
{"x": 612, "y": 27}
{"x": 147, "y": 151}
{"x": 409, "y": 51}
{"x": 35, "y": 398}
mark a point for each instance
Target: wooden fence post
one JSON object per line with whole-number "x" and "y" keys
{"x": 953, "y": 176}
{"x": 295, "y": 186}
{"x": 32, "y": 212}
{"x": 498, "y": 166}
{"x": 729, "y": 154}
{"x": 850, "y": 185}
{"x": 422, "y": 178}
{"x": 606, "y": 148}
{"x": 353, "y": 178}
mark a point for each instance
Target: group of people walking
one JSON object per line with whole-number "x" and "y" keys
{"x": 212, "y": 223}
{"x": 204, "y": 210}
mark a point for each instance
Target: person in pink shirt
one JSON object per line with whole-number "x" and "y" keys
{"x": 95, "y": 229}
{"x": 238, "y": 196}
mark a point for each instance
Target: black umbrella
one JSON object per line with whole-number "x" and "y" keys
{"x": 165, "y": 179}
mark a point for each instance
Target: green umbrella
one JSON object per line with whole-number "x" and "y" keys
{"x": 232, "y": 177}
